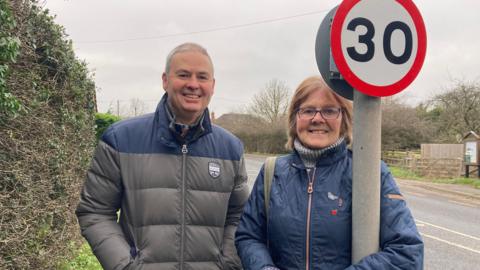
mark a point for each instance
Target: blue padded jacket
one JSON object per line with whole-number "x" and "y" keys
{"x": 329, "y": 231}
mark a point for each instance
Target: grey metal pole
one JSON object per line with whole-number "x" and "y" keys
{"x": 366, "y": 175}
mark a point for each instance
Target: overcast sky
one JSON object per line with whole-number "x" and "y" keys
{"x": 125, "y": 43}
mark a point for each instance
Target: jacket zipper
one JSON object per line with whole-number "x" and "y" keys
{"x": 184, "y": 165}
{"x": 309, "y": 209}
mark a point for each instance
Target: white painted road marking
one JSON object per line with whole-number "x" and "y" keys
{"x": 449, "y": 230}
{"x": 450, "y": 243}
{"x": 423, "y": 223}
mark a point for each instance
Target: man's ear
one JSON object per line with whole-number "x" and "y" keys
{"x": 164, "y": 80}
{"x": 213, "y": 85}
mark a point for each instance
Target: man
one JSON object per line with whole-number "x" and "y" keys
{"x": 178, "y": 181}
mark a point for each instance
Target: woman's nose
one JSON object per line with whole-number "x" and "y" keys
{"x": 318, "y": 118}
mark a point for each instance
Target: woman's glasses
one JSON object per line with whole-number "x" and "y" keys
{"x": 327, "y": 113}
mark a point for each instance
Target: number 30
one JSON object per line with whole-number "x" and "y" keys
{"x": 387, "y": 39}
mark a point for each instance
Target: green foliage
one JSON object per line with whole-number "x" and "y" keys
{"x": 9, "y": 105}
{"x": 407, "y": 174}
{"x": 47, "y": 136}
{"x": 9, "y": 50}
{"x": 403, "y": 173}
{"x": 427, "y": 113}
{"x": 103, "y": 121}
{"x": 85, "y": 260}
{"x": 474, "y": 182}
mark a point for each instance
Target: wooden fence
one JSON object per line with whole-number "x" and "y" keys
{"x": 440, "y": 167}
{"x": 427, "y": 167}
{"x": 399, "y": 158}
{"x": 441, "y": 151}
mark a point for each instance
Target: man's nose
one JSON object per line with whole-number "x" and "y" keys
{"x": 193, "y": 83}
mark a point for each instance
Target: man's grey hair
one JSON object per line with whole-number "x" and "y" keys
{"x": 186, "y": 47}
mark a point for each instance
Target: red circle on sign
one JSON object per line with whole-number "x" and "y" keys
{"x": 349, "y": 75}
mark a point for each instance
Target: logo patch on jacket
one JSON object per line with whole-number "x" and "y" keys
{"x": 214, "y": 169}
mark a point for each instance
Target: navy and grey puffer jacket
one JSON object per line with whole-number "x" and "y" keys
{"x": 180, "y": 202}
{"x": 325, "y": 241}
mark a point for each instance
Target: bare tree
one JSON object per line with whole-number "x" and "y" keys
{"x": 457, "y": 110}
{"x": 137, "y": 107}
{"x": 271, "y": 102}
{"x": 402, "y": 126}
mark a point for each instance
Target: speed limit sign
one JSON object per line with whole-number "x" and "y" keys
{"x": 378, "y": 45}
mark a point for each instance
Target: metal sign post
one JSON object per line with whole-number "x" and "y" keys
{"x": 378, "y": 48}
{"x": 367, "y": 122}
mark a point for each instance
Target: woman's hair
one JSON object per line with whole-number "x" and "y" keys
{"x": 308, "y": 86}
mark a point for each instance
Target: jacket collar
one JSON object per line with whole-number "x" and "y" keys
{"x": 164, "y": 123}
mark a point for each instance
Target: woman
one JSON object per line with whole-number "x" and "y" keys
{"x": 310, "y": 207}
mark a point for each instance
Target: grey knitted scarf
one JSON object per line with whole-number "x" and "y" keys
{"x": 310, "y": 156}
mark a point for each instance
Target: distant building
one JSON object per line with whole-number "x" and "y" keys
{"x": 237, "y": 122}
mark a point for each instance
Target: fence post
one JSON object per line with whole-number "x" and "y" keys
{"x": 414, "y": 164}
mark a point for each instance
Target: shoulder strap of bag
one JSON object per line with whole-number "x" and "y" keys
{"x": 267, "y": 181}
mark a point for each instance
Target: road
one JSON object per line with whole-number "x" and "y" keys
{"x": 448, "y": 222}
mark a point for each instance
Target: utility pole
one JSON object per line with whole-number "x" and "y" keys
{"x": 366, "y": 175}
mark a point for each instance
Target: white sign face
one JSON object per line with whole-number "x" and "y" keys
{"x": 471, "y": 150}
{"x": 378, "y": 45}
{"x": 373, "y": 71}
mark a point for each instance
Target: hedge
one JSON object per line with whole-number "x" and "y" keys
{"x": 47, "y": 135}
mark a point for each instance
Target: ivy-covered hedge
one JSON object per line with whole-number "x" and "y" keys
{"x": 9, "y": 50}
{"x": 47, "y": 135}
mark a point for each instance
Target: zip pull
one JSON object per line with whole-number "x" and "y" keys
{"x": 310, "y": 180}
{"x": 310, "y": 188}
{"x": 184, "y": 149}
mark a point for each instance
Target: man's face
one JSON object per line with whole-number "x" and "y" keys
{"x": 189, "y": 85}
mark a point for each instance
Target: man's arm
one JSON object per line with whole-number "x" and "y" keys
{"x": 97, "y": 211}
{"x": 235, "y": 209}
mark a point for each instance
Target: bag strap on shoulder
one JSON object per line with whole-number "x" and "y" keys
{"x": 267, "y": 181}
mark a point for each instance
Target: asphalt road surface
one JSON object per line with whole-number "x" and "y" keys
{"x": 449, "y": 222}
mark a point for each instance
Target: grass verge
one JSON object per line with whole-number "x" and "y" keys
{"x": 406, "y": 174}
{"x": 85, "y": 260}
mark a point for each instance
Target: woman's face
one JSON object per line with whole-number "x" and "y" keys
{"x": 318, "y": 132}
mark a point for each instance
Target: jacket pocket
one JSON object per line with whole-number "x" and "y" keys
{"x": 137, "y": 263}
{"x": 220, "y": 261}
{"x": 134, "y": 265}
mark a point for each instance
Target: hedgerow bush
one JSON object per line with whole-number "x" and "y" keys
{"x": 269, "y": 141}
{"x": 103, "y": 121}
{"x": 47, "y": 135}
